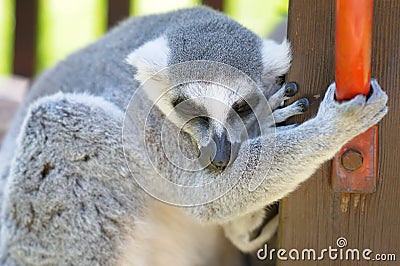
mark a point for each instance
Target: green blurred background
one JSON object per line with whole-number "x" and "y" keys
{"x": 67, "y": 25}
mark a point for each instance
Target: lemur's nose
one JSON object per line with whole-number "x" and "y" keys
{"x": 223, "y": 151}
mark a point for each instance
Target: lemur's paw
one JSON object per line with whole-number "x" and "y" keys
{"x": 290, "y": 89}
{"x": 302, "y": 104}
{"x": 357, "y": 114}
{"x": 287, "y": 91}
{"x": 298, "y": 107}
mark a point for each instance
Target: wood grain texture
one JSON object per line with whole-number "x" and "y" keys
{"x": 311, "y": 217}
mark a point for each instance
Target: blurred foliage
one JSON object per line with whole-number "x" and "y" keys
{"x": 6, "y": 35}
{"x": 67, "y": 25}
{"x": 145, "y": 7}
{"x": 257, "y": 15}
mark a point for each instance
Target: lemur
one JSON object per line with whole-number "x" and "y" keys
{"x": 80, "y": 165}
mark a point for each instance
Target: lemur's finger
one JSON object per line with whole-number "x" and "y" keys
{"x": 290, "y": 89}
{"x": 330, "y": 93}
{"x": 377, "y": 94}
{"x": 303, "y": 104}
{"x": 298, "y": 107}
{"x": 285, "y": 92}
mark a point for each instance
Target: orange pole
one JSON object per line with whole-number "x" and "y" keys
{"x": 353, "y": 74}
{"x": 353, "y": 48}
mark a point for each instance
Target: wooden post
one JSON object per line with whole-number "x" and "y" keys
{"x": 311, "y": 217}
{"x": 216, "y": 4}
{"x": 24, "y": 62}
{"x": 117, "y": 10}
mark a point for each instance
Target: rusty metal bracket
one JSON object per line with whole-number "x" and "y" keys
{"x": 354, "y": 168}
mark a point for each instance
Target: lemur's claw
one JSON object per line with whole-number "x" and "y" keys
{"x": 303, "y": 104}
{"x": 291, "y": 89}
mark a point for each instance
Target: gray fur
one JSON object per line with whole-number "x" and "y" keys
{"x": 69, "y": 198}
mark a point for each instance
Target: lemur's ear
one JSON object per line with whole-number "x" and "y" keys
{"x": 149, "y": 59}
{"x": 276, "y": 59}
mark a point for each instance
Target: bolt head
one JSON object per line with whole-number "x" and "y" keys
{"x": 352, "y": 160}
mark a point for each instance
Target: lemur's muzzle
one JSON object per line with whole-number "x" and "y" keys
{"x": 219, "y": 153}
{"x": 223, "y": 151}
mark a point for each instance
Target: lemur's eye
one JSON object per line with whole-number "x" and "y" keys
{"x": 182, "y": 105}
{"x": 189, "y": 108}
{"x": 242, "y": 108}
{"x": 178, "y": 100}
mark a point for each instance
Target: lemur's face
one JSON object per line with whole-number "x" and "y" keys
{"x": 218, "y": 118}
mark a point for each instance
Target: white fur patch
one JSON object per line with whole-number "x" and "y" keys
{"x": 276, "y": 58}
{"x": 149, "y": 58}
{"x": 165, "y": 235}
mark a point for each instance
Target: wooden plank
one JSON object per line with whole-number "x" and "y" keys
{"x": 25, "y": 37}
{"x": 216, "y": 4}
{"x": 117, "y": 11}
{"x": 311, "y": 217}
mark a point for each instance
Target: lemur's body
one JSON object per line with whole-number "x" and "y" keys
{"x": 70, "y": 199}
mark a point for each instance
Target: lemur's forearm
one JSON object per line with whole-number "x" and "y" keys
{"x": 280, "y": 164}
{"x": 303, "y": 148}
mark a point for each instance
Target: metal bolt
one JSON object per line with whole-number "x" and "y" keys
{"x": 352, "y": 160}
